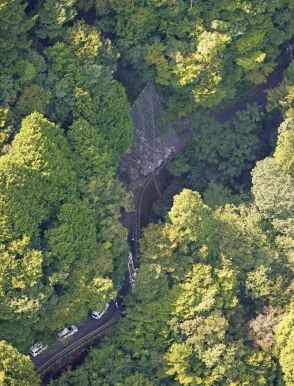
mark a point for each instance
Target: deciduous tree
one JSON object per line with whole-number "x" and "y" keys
{"x": 274, "y": 194}
{"x": 285, "y": 344}
{"x": 16, "y": 369}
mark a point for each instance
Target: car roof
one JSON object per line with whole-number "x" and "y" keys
{"x": 65, "y": 329}
{"x": 37, "y": 346}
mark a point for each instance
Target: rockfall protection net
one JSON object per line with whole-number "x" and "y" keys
{"x": 154, "y": 138}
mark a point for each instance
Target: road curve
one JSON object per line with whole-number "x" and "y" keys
{"x": 91, "y": 328}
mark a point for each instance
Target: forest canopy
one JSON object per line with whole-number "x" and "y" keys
{"x": 213, "y": 297}
{"x": 63, "y": 132}
{"x": 213, "y": 300}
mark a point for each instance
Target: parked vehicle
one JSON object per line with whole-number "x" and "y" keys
{"x": 37, "y": 348}
{"x": 98, "y": 315}
{"x": 67, "y": 331}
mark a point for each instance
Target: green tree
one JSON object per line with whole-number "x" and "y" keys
{"x": 282, "y": 96}
{"x": 73, "y": 237}
{"x": 14, "y": 26}
{"x": 85, "y": 41}
{"x": 163, "y": 244}
{"x": 137, "y": 379}
{"x": 83, "y": 289}
{"x": 22, "y": 292}
{"x": 91, "y": 156}
{"x": 63, "y": 77}
{"x": 151, "y": 283}
{"x": 216, "y": 195}
{"x": 187, "y": 318}
{"x": 203, "y": 68}
{"x": 33, "y": 98}
{"x": 274, "y": 194}
{"x": 110, "y": 116}
{"x": 220, "y": 152}
{"x": 35, "y": 177}
{"x": 284, "y": 152}
{"x": 75, "y": 267}
{"x": 20, "y": 331}
{"x": 53, "y": 15}
{"x": 285, "y": 344}
{"x": 40, "y": 145}
{"x": 203, "y": 290}
{"x": 201, "y": 54}
{"x": 246, "y": 243}
{"x": 224, "y": 364}
{"x": 202, "y": 332}
{"x": 106, "y": 195}
{"x": 83, "y": 88}
{"x": 23, "y": 200}
{"x": 179, "y": 359}
{"x": 16, "y": 70}
{"x": 6, "y": 125}
{"x": 16, "y": 369}
{"x": 261, "y": 284}
{"x": 195, "y": 219}
{"x": 102, "y": 7}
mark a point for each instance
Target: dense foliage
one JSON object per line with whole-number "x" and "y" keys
{"x": 212, "y": 303}
{"x": 220, "y": 152}
{"x": 203, "y": 52}
{"x": 16, "y": 369}
{"x": 64, "y": 126}
{"x": 213, "y": 299}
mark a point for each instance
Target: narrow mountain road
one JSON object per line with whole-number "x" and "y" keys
{"x": 259, "y": 94}
{"x": 91, "y": 327}
{"x": 87, "y": 327}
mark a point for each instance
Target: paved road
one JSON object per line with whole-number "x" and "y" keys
{"x": 86, "y": 329}
{"x": 89, "y": 325}
{"x": 259, "y": 94}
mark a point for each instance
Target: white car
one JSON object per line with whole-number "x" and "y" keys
{"x": 98, "y": 315}
{"x": 37, "y": 348}
{"x": 67, "y": 331}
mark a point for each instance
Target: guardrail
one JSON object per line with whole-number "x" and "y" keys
{"x": 93, "y": 335}
{"x": 85, "y": 340}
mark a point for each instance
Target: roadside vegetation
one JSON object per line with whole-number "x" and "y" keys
{"x": 213, "y": 301}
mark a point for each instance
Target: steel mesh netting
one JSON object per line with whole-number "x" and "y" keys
{"x": 154, "y": 138}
